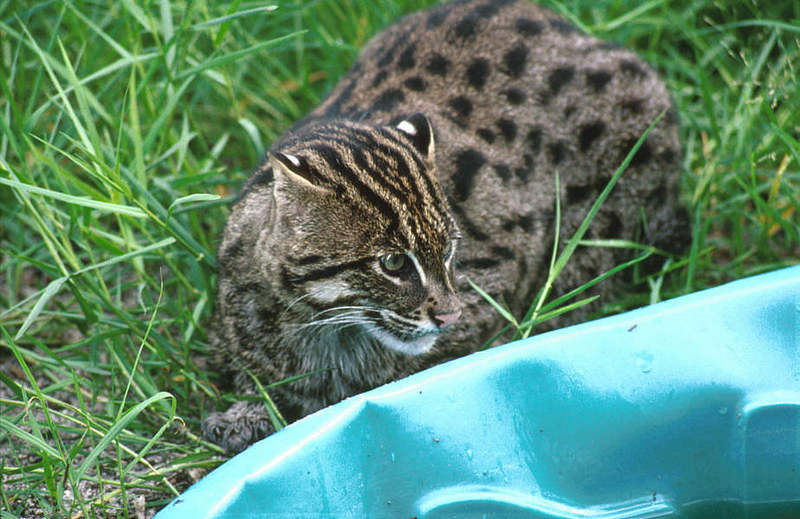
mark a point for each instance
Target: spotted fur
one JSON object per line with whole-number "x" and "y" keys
{"x": 348, "y": 254}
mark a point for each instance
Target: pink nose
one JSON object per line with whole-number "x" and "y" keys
{"x": 443, "y": 320}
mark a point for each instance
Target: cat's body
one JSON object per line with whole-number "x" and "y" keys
{"x": 338, "y": 258}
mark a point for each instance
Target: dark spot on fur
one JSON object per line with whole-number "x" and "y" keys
{"x": 406, "y": 59}
{"x": 485, "y": 134}
{"x": 562, "y": 26}
{"x": 436, "y": 16}
{"x": 568, "y": 111}
{"x": 642, "y": 156}
{"x": 465, "y": 28}
{"x": 437, "y": 64}
{"x": 509, "y": 225}
{"x": 478, "y": 72}
{"x": 528, "y": 27}
{"x": 507, "y": 128}
{"x": 667, "y": 156}
{"x": 632, "y": 107}
{"x": 557, "y": 151}
{"x": 526, "y": 221}
{"x": 360, "y": 158}
{"x": 577, "y": 194}
{"x": 379, "y": 78}
{"x": 468, "y": 163}
{"x": 479, "y": 263}
{"x": 588, "y": 133}
{"x": 559, "y": 78}
{"x": 462, "y": 106}
{"x": 502, "y": 171}
{"x": 657, "y": 197}
{"x": 309, "y": 260}
{"x": 601, "y": 182}
{"x": 267, "y": 315}
{"x": 515, "y": 96}
{"x": 391, "y": 50}
{"x": 285, "y": 277}
{"x": 387, "y": 56}
{"x": 632, "y": 68}
{"x": 468, "y": 225}
{"x": 335, "y": 106}
{"x": 491, "y": 8}
{"x": 598, "y": 79}
{"x": 528, "y": 158}
{"x": 263, "y": 176}
{"x": 514, "y": 60}
{"x": 534, "y": 139}
{"x": 415, "y": 83}
{"x": 613, "y": 227}
{"x": 388, "y": 100}
{"x": 522, "y": 173}
{"x": 468, "y": 25}
{"x": 503, "y": 252}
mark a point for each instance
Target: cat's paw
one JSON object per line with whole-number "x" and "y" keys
{"x": 241, "y": 425}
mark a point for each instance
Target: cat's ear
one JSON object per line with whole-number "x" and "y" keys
{"x": 295, "y": 170}
{"x": 420, "y": 132}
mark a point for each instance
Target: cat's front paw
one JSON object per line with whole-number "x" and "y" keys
{"x": 241, "y": 425}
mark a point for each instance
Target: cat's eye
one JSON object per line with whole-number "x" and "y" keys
{"x": 393, "y": 263}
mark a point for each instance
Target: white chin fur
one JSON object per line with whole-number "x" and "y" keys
{"x": 418, "y": 346}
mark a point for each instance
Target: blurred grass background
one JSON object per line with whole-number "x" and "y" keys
{"x": 126, "y": 128}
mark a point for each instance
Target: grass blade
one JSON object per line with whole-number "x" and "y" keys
{"x": 41, "y": 446}
{"x": 188, "y": 199}
{"x": 75, "y": 200}
{"x": 569, "y": 295}
{"x": 234, "y": 56}
{"x": 233, "y": 16}
{"x": 52, "y": 289}
{"x": 496, "y": 305}
{"x": 116, "y": 429}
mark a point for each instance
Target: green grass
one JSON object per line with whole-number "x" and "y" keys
{"x": 126, "y": 127}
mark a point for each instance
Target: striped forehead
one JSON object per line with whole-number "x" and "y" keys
{"x": 377, "y": 170}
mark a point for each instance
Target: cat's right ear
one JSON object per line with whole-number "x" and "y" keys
{"x": 295, "y": 170}
{"x": 418, "y": 129}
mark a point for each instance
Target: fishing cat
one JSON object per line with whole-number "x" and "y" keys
{"x": 348, "y": 254}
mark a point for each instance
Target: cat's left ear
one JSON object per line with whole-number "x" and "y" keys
{"x": 291, "y": 170}
{"x": 419, "y": 130}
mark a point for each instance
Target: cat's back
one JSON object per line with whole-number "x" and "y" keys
{"x": 514, "y": 93}
{"x": 480, "y": 65}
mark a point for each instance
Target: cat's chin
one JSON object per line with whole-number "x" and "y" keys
{"x": 415, "y": 346}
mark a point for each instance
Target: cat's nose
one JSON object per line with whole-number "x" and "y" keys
{"x": 443, "y": 320}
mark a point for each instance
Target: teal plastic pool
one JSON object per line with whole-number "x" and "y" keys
{"x": 688, "y": 408}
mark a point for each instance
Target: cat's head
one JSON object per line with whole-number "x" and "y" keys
{"x": 367, "y": 239}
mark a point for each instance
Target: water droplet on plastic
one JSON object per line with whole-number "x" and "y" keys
{"x": 723, "y": 410}
{"x": 644, "y": 360}
{"x": 469, "y": 453}
{"x": 393, "y": 457}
